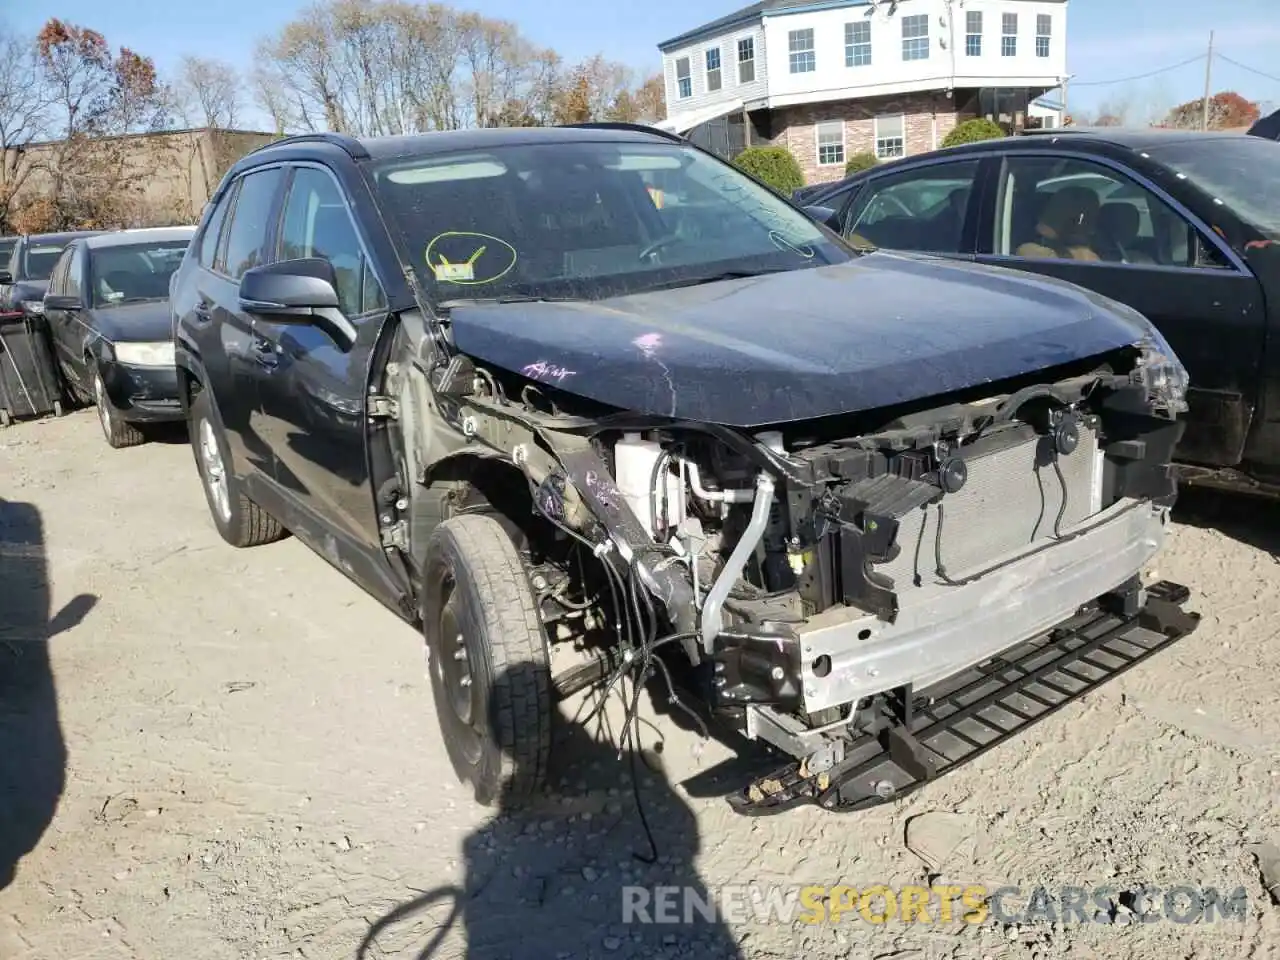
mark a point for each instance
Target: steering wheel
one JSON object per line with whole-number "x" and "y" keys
{"x": 876, "y": 209}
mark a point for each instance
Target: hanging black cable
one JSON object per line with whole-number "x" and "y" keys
{"x": 941, "y": 569}
{"x": 915, "y": 563}
{"x": 1062, "y": 508}
{"x": 1043, "y": 503}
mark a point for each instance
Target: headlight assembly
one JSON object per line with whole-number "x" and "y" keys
{"x": 145, "y": 354}
{"x": 33, "y": 307}
{"x": 1164, "y": 376}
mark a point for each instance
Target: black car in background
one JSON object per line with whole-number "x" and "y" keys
{"x": 1182, "y": 226}
{"x": 25, "y": 277}
{"x": 107, "y": 310}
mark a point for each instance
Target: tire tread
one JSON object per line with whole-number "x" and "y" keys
{"x": 518, "y": 651}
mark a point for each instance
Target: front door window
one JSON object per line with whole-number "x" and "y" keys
{"x": 921, "y": 209}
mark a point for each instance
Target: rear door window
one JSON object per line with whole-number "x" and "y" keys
{"x": 208, "y": 249}
{"x": 1069, "y": 208}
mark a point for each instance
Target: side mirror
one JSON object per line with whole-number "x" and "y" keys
{"x": 298, "y": 291}
{"x": 62, "y": 301}
{"x": 6, "y": 276}
{"x": 826, "y": 216}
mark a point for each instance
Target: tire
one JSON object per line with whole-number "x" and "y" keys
{"x": 477, "y": 603}
{"x": 240, "y": 521}
{"x": 118, "y": 432}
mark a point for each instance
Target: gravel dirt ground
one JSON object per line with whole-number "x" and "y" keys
{"x": 209, "y": 753}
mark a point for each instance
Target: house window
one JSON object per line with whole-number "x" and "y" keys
{"x": 684, "y": 80}
{"x": 915, "y": 37}
{"x": 891, "y": 137}
{"x": 713, "y": 69}
{"x": 830, "y": 142}
{"x": 1044, "y": 30}
{"x": 747, "y": 60}
{"x": 973, "y": 33}
{"x": 857, "y": 44}
{"x": 800, "y": 48}
{"x": 1009, "y": 35}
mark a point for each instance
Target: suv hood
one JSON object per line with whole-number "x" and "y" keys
{"x": 140, "y": 322}
{"x": 877, "y": 331}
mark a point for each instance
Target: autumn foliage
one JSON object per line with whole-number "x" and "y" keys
{"x": 1227, "y": 110}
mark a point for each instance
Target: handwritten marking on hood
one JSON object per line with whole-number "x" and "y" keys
{"x": 648, "y": 343}
{"x": 545, "y": 370}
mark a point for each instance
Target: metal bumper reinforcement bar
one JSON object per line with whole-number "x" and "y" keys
{"x": 920, "y": 735}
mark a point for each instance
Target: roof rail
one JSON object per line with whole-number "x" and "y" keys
{"x": 619, "y": 125}
{"x": 353, "y": 147}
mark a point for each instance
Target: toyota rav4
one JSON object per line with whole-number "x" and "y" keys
{"x": 589, "y": 402}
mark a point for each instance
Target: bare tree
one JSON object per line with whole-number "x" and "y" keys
{"x": 208, "y": 93}
{"x": 375, "y": 67}
{"x": 24, "y": 116}
{"x": 95, "y": 98}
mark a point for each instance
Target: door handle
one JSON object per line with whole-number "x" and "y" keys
{"x": 265, "y": 352}
{"x": 202, "y": 312}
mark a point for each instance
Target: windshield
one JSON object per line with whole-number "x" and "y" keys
{"x": 588, "y": 220}
{"x": 39, "y": 259}
{"x": 127, "y": 274}
{"x": 1242, "y": 172}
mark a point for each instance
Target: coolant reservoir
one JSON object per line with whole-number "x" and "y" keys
{"x": 634, "y": 460}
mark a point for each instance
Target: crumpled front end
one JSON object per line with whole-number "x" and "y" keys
{"x": 824, "y": 577}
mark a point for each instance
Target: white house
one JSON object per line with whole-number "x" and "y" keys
{"x": 831, "y": 78}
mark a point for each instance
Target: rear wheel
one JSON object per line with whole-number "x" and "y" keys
{"x": 488, "y": 661}
{"x": 119, "y": 432}
{"x": 240, "y": 521}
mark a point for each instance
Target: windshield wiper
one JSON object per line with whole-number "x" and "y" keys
{"x": 511, "y": 298}
{"x": 712, "y": 278}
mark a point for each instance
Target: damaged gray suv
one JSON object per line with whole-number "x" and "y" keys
{"x": 588, "y": 403}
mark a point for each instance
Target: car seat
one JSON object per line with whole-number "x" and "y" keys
{"x": 1065, "y": 230}
{"x": 1118, "y": 225}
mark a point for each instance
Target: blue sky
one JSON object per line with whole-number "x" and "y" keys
{"x": 1106, "y": 40}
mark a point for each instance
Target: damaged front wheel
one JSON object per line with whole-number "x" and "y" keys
{"x": 488, "y": 661}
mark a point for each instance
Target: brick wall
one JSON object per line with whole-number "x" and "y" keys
{"x": 794, "y": 127}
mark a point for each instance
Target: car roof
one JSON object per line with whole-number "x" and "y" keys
{"x": 122, "y": 238}
{"x": 1134, "y": 138}
{"x": 64, "y": 237}
{"x": 1117, "y": 138}
{"x": 450, "y": 141}
{"x": 442, "y": 142}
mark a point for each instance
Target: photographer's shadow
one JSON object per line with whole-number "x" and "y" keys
{"x": 32, "y": 753}
{"x": 574, "y": 874}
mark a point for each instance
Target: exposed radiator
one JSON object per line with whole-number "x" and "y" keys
{"x": 1005, "y": 507}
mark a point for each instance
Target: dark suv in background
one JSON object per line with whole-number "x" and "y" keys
{"x": 25, "y": 277}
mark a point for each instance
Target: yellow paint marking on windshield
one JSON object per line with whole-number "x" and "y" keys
{"x": 464, "y": 274}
